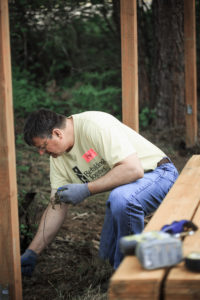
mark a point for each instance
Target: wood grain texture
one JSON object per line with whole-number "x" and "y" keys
{"x": 182, "y": 283}
{"x": 129, "y": 54}
{"x": 131, "y": 281}
{"x": 10, "y": 271}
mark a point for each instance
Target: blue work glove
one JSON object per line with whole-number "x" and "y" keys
{"x": 73, "y": 193}
{"x": 28, "y": 262}
{"x": 175, "y": 227}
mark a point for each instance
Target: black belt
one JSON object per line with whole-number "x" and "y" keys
{"x": 163, "y": 161}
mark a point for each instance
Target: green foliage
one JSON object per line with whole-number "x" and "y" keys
{"x": 146, "y": 117}
{"x": 94, "y": 91}
{"x": 23, "y": 168}
{"x": 111, "y": 77}
{"x": 27, "y": 96}
{"x": 56, "y": 40}
{"x": 88, "y": 97}
{"x": 24, "y": 231}
{"x": 21, "y": 196}
{"x": 70, "y": 44}
{"x": 19, "y": 139}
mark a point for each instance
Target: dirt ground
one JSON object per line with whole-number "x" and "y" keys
{"x": 70, "y": 268}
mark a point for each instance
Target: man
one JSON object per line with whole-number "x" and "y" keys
{"x": 90, "y": 153}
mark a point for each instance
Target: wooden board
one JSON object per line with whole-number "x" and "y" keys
{"x": 181, "y": 283}
{"x": 130, "y": 281}
{"x": 10, "y": 270}
{"x": 129, "y": 54}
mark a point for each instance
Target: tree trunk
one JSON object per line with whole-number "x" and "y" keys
{"x": 168, "y": 67}
{"x": 143, "y": 57}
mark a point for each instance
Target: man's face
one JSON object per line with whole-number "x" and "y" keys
{"x": 54, "y": 145}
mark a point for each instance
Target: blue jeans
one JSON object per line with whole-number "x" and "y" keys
{"x": 127, "y": 206}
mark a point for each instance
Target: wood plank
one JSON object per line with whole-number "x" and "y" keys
{"x": 181, "y": 283}
{"x": 190, "y": 72}
{"x": 129, "y": 59}
{"x": 181, "y": 202}
{"x": 10, "y": 271}
{"x": 131, "y": 281}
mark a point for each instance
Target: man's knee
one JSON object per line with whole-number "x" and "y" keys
{"x": 117, "y": 202}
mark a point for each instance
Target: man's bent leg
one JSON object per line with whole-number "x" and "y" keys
{"x": 127, "y": 206}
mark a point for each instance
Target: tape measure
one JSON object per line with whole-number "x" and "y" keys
{"x": 192, "y": 261}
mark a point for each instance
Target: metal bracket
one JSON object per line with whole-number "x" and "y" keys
{"x": 189, "y": 109}
{"x": 4, "y": 292}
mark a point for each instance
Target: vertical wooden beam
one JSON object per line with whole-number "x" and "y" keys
{"x": 190, "y": 72}
{"x": 10, "y": 271}
{"x": 129, "y": 54}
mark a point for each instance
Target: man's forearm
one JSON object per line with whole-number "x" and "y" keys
{"x": 50, "y": 224}
{"x": 127, "y": 171}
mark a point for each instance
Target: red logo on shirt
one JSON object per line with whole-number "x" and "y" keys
{"x": 89, "y": 155}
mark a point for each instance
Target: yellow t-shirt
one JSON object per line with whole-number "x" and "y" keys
{"x": 101, "y": 141}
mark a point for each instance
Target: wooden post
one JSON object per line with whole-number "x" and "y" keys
{"x": 129, "y": 50}
{"x": 10, "y": 270}
{"x": 190, "y": 72}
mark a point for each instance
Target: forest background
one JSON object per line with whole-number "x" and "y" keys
{"x": 66, "y": 56}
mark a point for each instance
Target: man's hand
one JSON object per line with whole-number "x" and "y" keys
{"x": 73, "y": 193}
{"x": 28, "y": 262}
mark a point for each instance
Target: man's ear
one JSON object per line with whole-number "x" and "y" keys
{"x": 57, "y": 132}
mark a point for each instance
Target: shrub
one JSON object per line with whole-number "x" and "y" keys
{"x": 26, "y": 95}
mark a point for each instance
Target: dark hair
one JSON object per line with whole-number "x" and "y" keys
{"x": 41, "y": 124}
